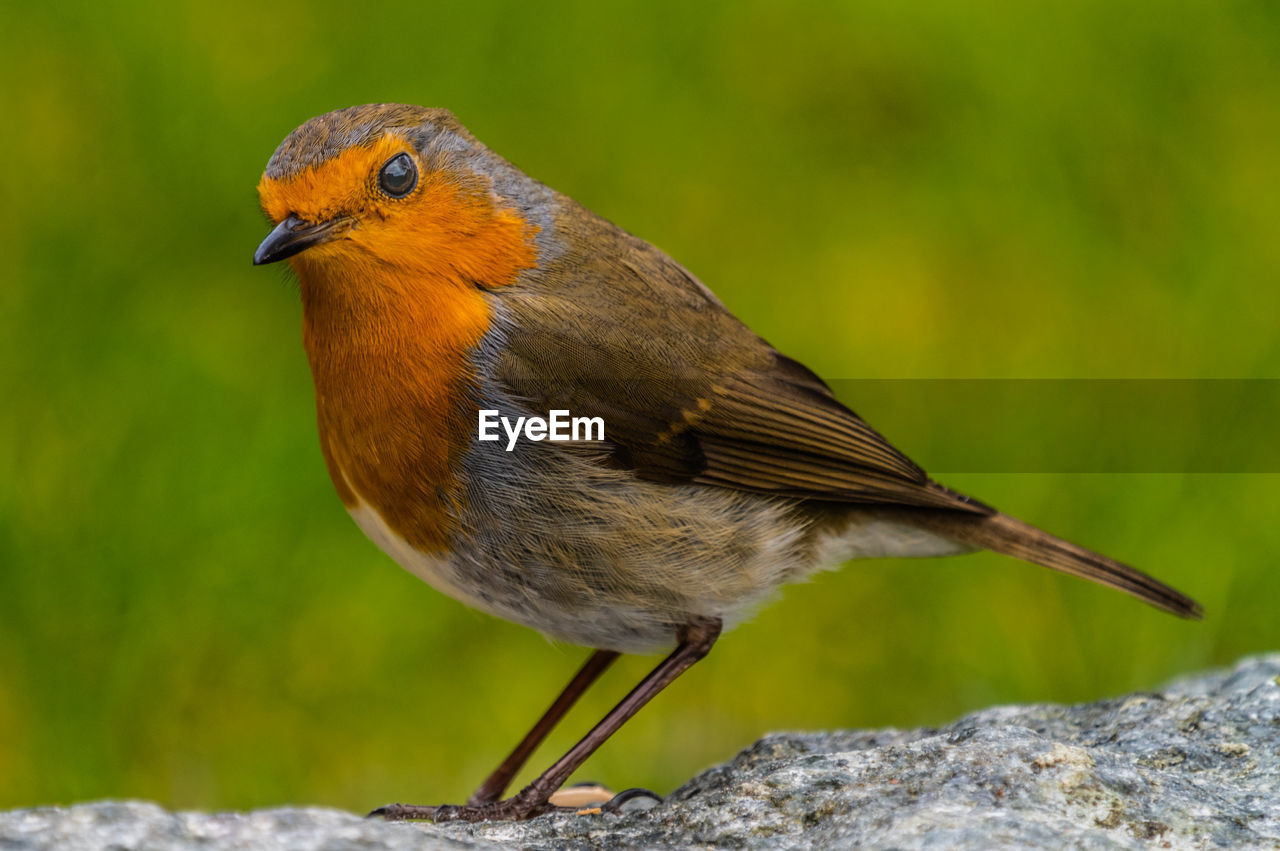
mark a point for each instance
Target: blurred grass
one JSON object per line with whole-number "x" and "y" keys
{"x": 884, "y": 190}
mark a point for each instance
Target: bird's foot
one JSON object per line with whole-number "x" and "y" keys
{"x": 517, "y": 808}
{"x": 524, "y": 806}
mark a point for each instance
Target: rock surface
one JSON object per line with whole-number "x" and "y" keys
{"x": 1193, "y": 766}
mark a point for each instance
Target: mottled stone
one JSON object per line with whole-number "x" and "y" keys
{"x": 1196, "y": 765}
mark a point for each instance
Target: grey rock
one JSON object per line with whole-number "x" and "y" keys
{"x": 1196, "y": 765}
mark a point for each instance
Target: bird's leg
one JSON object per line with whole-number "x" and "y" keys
{"x": 695, "y": 640}
{"x": 496, "y": 783}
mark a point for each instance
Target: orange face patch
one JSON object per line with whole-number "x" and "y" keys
{"x": 391, "y": 314}
{"x": 449, "y": 225}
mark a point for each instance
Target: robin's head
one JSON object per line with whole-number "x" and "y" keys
{"x": 396, "y": 187}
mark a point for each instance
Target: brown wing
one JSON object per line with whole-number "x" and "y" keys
{"x": 780, "y": 430}
{"x": 688, "y": 393}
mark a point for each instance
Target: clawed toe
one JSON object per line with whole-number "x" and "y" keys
{"x": 403, "y": 812}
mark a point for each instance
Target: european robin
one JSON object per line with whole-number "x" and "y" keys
{"x": 447, "y": 296}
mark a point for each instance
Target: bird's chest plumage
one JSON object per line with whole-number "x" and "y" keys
{"x": 394, "y": 406}
{"x": 391, "y": 448}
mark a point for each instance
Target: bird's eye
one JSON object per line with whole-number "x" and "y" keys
{"x": 398, "y": 176}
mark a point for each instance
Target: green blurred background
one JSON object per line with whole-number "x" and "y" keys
{"x": 883, "y": 189}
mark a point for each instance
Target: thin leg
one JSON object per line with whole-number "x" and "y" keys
{"x": 496, "y": 783}
{"x": 696, "y": 640}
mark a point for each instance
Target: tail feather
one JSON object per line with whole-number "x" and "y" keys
{"x": 1010, "y": 536}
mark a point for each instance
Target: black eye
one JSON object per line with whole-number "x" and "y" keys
{"x": 398, "y": 177}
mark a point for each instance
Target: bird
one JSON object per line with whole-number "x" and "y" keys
{"x": 441, "y": 285}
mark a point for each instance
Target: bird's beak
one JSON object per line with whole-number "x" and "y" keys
{"x": 294, "y": 235}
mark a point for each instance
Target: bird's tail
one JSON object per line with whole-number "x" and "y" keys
{"x": 1010, "y": 536}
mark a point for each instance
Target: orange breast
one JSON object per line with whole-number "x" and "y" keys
{"x": 391, "y": 316}
{"x": 391, "y": 408}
